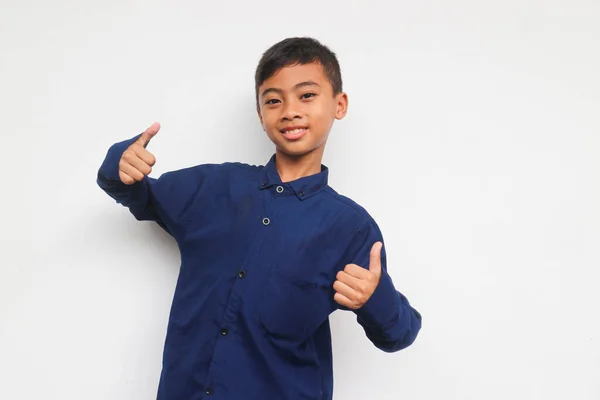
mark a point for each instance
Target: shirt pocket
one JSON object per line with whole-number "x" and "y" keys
{"x": 293, "y": 306}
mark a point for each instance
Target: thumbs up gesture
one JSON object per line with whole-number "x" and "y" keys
{"x": 355, "y": 284}
{"x": 136, "y": 162}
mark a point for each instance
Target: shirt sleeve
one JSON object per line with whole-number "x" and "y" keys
{"x": 388, "y": 319}
{"x": 163, "y": 200}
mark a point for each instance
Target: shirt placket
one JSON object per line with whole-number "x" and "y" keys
{"x": 252, "y": 268}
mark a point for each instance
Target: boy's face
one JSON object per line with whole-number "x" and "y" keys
{"x": 297, "y": 108}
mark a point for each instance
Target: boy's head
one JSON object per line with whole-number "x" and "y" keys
{"x": 299, "y": 85}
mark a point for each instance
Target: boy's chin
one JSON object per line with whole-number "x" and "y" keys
{"x": 291, "y": 153}
{"x": 294, "y": 152}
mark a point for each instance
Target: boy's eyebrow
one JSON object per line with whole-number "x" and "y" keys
{"x": 296, "y": 87}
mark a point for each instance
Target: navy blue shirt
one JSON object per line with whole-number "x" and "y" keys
{"x": 250, "y": 313}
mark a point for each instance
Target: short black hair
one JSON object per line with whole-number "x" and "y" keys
{"x": 298, "y": 50}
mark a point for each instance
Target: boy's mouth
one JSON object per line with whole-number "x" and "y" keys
{"x": 294, "y": 132}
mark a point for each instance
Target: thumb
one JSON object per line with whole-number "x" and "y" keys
{"x": 149, "y": 134}
{"x": 375, "y": 262}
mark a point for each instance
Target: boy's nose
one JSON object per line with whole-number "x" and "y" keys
{"x": 290, "y": 112}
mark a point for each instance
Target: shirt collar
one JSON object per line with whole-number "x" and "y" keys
{"x": 303, "y": 187}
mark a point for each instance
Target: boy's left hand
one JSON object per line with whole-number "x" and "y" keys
{"x": 355, "y": 284}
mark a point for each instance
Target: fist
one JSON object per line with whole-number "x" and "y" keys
{"x": 137, "y": 162}
{"x": 355, "y": 285}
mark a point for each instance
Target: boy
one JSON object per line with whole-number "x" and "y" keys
{"x": 267, "y": 252}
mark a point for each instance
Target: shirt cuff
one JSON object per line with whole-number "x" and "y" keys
{"x": 109, "y": 169}
{"x": 383, "y": 304}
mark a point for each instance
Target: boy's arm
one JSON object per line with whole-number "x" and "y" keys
{"x": 148, "y": 199}
{"x": 137, "y": 196}
{"x": 387, "y": 317}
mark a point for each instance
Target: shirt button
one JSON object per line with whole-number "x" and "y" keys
{"x": 224, "y": 332}
{"x": 208, "y": 392}
{"x": 264, "y": 183}
{"x": 301, "y": 193}
{"x": 279, "y": 189}
{"x": 242, "y": 274}
{"x": 266, "y": 221}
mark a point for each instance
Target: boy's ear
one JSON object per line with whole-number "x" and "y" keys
{"x": 341, "y": 107}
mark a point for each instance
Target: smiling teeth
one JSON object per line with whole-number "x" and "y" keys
{"x": 295, "y": 131}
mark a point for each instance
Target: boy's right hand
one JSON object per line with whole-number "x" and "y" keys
{"x": 136, "y": 162}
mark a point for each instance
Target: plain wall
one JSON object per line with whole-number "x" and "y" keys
{"x": 473, "y": 138}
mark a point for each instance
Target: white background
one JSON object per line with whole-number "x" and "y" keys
{"x": 473, "y": 138}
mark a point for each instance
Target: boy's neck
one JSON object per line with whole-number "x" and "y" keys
{"x": 291, "y": 168}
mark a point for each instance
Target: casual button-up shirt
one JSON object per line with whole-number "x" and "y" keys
{"x": 250, "y": 313}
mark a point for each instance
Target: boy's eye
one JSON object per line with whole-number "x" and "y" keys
{"x": 272, "y": 101}
{"x": 308, "y": 95}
